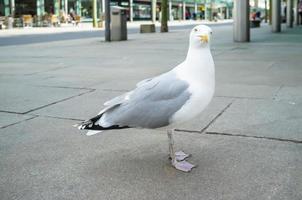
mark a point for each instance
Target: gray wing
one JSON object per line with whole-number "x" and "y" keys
{"x": 150, "y": 105}
{"x": 146, "y": 83}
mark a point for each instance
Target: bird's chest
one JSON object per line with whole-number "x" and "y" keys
{"x": 201, "y": 88}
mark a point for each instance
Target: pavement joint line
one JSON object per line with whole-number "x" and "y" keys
{"x": 114, "y": 90}
{"x": 220, "y": 53}
{"x": 277, "y": 92}
{"x": 256, "y": 137}
{"x": 65, "y": 99}
{"x": 63, "y": 118}
{"x": 66, "y": 87}
{"x": 236, "y": 97}
{"x": 210, "y": 123}
{"x": 270, "y": 66}
{"x": 11, "y": 112}
{"x": 2, "y": 127}
{"x": 216, "y": 117}
{"x": 242, "y": 135}
{"x": 227, "y": 51}
{"x": 50, "y": 70}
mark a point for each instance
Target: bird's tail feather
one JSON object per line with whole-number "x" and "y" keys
{"x": 92, "y": 125}
{"x": 92, "y": 132}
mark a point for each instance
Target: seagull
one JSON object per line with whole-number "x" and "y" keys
{"x": 167, "y": 100}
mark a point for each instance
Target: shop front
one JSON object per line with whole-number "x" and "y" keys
{"x": 142, "y": 10}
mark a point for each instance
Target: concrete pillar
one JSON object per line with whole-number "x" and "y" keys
{"x": 241, "y": 27}
{"x": 205, "y": 10}
{"x": 103, "y": 6}
{"x": 66, "y": 6}
{"x": 210, "y": 15}
{"x": 221, "y": 13}
{"x": 94, "y": 13}
{"x": 131, "y": 10}
{"x": 78, "y": 7}
{"x": 12, "y": 7}
{"x": 40, "y": 11}
{"x": 227, "y": 12}
{"x": 40, "y": 8}
{"x": 107, "y": 21}
{"x": 276, "y": 16}
{"x": 63, "y": 5}
{"x": 170, "y": 11}
{"x": 56, "y": 7}
{"x": 270, "y": 12}
{"x": 296, "y": 13}
{"x": 153, "y": 10}
{"x": 195, "y": 8}
{"x": 265, "y": 11}
{"x": 6, "y": 8}
{"x": 184, "y": 10}
{"x": 289, "y": 11}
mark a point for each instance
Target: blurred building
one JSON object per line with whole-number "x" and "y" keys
{"x": 142, "y": 9}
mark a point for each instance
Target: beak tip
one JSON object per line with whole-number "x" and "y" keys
{"x": 204, "y": 38}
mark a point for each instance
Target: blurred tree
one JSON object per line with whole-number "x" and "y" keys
{"x": 164, "y": 16}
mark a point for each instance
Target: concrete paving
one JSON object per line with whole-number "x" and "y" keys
{"x": 247, "y": 143}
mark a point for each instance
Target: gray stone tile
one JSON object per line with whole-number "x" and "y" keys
{"x": 217, "y": 105}
{"x": 291, "y": 94}
{"x": 17, "y": 68}
{"x": 22, "y": 98}
{"x": 48, "y": 159}
{"x": 246, "y": 91}
{"x": 268, "y": 118}
{"x": 7, "y": 119}
{"x": 82, "y": 107}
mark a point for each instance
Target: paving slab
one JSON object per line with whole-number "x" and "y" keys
{"x": 59, "y": 163}
{"x": 22, "y": 98}
{"x": 246, "y": 91}
{"x": 245, "y": 72}
{"x": 267, "y": 118}
{"x": 292, "y": 94}
{"x": 17, "y": 67}
{"x": 254, "y": 151}
{"x": 7, "y": 119}
{"x": 82, "y": 107}
{"x": 202, "y": 121}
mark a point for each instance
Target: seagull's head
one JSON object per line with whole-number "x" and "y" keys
{"x": 200, "y": 36}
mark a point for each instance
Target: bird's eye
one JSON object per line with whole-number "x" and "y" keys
{"x": 195, "y": 30}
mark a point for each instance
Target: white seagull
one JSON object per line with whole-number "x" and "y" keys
{"x": 167, "y": 100}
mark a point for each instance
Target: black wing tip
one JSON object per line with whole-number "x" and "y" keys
{"x": 90, "y": 125}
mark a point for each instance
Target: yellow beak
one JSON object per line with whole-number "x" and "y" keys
{"x": 204, "y": 38}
